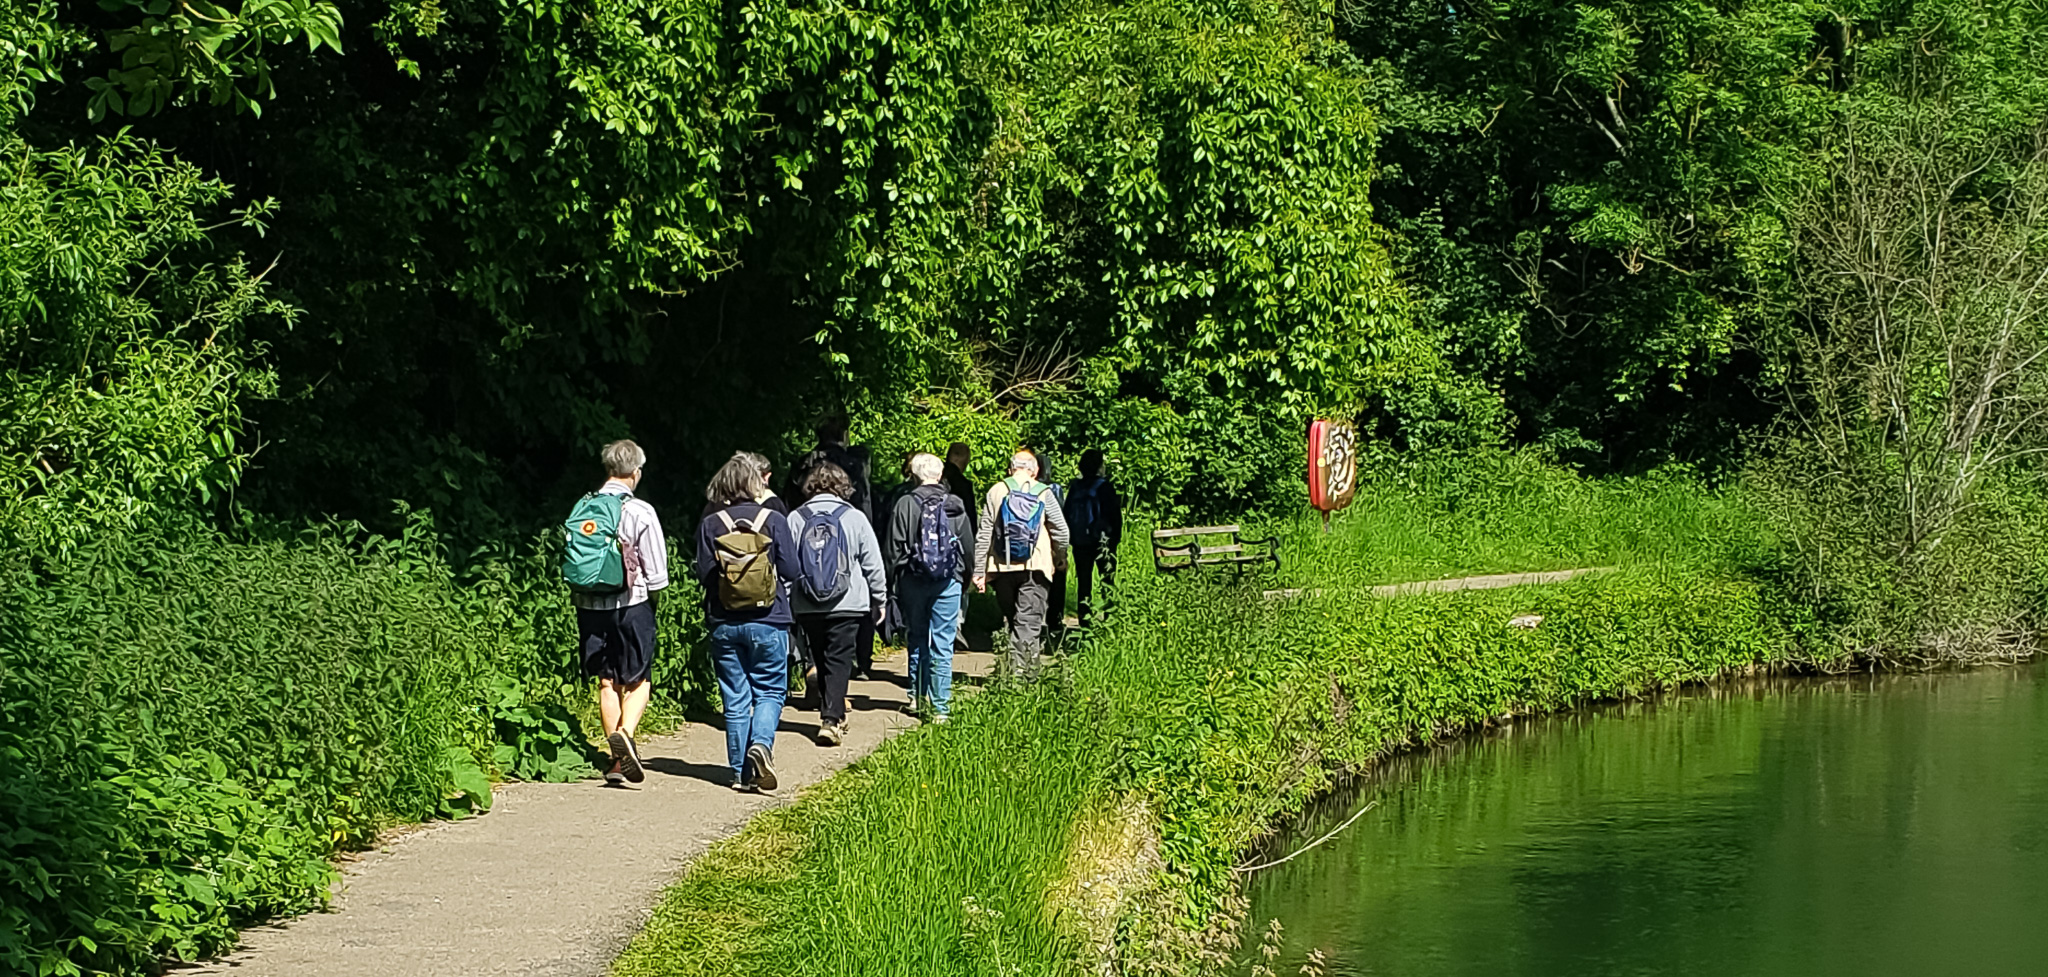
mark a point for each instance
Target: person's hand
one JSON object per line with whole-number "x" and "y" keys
{"x": 880, "y": 613}
{"x": 981, "y": 584}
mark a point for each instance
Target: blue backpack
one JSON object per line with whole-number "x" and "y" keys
{"x": 1020, "y": 518}
{"x": 821, "y": 559}
{"x": 937, "y": 552}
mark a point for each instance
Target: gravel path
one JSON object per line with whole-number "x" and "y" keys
{"x": 557, "y": 878}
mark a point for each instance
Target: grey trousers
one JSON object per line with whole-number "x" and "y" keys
{"x": 1022, "y": 594}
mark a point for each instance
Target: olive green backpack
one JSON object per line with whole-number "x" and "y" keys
{"x": 746, "y": 568}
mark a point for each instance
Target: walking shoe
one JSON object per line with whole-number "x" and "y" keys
{"x": 910, "y": 708}
{"x": 626, "y": 755}
{"x": 612, "y": 776}
{"x": 759, "y": 773}
{"x": 831, "y": 734}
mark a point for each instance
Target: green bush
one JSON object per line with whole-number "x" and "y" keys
{"x": 195, "y": 723}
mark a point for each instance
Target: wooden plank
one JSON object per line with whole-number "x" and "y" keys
{"x": 1194, "y": 531}
{"x": 1232, "y": 548}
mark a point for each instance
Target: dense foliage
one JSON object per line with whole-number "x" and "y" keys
{"x": 270, "y": 264}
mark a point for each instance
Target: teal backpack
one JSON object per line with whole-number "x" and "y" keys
{"x": 594, "y": 561}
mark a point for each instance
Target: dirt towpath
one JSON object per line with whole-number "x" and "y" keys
{"x": 557, "y": 878}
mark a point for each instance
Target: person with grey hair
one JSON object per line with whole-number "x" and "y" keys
{"x": 930, "y": 566}
{"x": 764, "y": 495}
{"x": 615, "y": 631}
{"x": 1019, "y": 547}
{"x": 746, "y": 560}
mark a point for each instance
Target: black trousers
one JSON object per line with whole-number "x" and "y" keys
{"x": 864, "y": 644}
{"x": 831, "y": 637}
{"x": 1087, "y": 560}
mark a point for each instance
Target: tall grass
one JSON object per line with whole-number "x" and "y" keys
{"x": 1512, "y": 513}
{"x": 1194, "y": 718}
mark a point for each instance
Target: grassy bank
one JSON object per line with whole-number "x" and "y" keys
{"x": 1095, "y": 815}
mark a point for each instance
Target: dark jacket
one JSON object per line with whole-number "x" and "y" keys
{"x": 1112, "y": 511}
{"x": 852, "y": 460}
{"x": 783, "y": 551}
{"x": 903, "y": 529}
{"x": 962, "y": 489}
{"x": 885, "y": 527}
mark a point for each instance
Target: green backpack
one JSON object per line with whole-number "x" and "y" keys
{"x": 746, "y": 571}
{"x": 594, "y": 561}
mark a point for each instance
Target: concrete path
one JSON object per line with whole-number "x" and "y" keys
{"x": 557, "y": 878}
{"x": 1489, "y": 582}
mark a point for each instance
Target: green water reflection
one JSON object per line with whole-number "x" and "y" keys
{"x": 1873, "y": 826}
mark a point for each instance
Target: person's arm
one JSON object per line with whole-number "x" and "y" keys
{"x": 867, "y": 552}
{"x": 963, "y": 532}
{"x": 785, "y": 549}
{"x": 652, "y": 548}
{"x": 902, "y": 533}
{"x": 706, "y": 562}
{"x": 1056, "y": 525}
{"x": 984, "y": 540}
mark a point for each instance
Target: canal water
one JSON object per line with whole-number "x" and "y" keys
{"x": 1862, "y": 827}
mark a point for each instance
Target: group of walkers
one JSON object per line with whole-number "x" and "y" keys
{"x": 829, "y": 575}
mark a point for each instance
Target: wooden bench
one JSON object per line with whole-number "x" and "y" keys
{"x": 1174, "y": 550}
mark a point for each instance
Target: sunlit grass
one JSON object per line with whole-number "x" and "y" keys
{"x": 1218, "y": 710}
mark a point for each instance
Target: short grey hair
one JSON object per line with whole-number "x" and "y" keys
{"x": 738, "y": 480}
{"x": 927, "y": 468}
{"x": 623, "y": 458}
{"x": 760, "y": 461}
{"x": 1022, "y": 460}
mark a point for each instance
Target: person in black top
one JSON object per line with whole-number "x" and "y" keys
{"x": 1095, "y": 515}
{"x": 749, "y": 644}
{"x": 892, "y": 616}
{"x": 958, "y": 454}
{"x": 832, "y": 447}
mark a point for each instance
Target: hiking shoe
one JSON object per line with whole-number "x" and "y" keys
{"x": 910, "y": 708}
{"x": 626, "y": 755}
{"x": 831, "y": 734}
{"x": 759, "y": 772}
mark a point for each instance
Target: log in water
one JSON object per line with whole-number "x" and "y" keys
{"x": 1887, "y": 825}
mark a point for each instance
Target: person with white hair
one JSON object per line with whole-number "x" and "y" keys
{"x": 615, "y": 627}
{"x": 1019, "y": 547}
{"x": 928, "y": 536}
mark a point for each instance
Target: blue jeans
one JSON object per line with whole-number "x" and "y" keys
{"x": 752, "y": 661}
{"x": 931, "y": 616}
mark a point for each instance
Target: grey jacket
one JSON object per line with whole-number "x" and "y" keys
{"x": 869, "y": 588}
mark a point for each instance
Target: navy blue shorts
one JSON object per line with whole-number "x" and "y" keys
{"x": 618, "y": 645}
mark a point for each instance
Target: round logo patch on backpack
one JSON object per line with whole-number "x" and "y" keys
{"x": 589, "y": 527}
